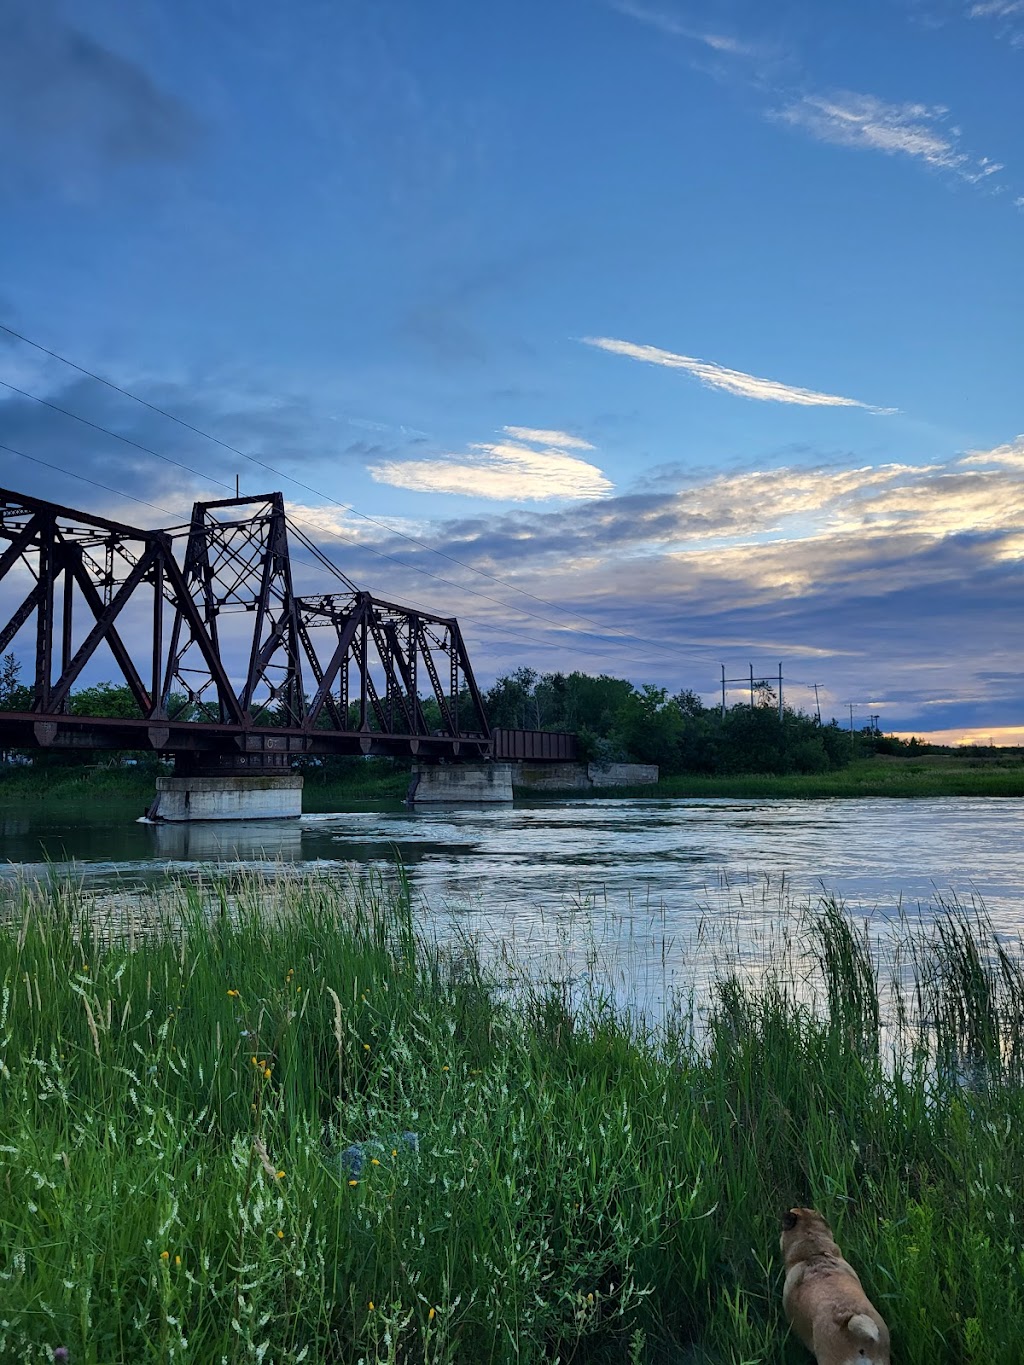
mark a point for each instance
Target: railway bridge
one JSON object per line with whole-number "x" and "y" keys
{"x": 231, "y": 671}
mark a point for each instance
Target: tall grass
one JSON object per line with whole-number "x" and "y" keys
{"x": 177, "y": 1096}
{"x": 870, "y": 777}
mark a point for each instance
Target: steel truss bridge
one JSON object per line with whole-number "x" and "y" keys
{"x": 332, "y": 673}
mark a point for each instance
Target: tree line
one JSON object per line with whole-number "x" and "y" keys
{"x": 615, "y": 721}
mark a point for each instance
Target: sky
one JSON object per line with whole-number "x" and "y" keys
{"x": 646, "y": 338}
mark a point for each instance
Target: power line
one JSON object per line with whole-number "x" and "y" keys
{"x": 127, "y": 393}
{"x": 71, "y": 474}
{"x": 321, "y": 560}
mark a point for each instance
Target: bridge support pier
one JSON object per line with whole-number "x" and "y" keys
{"x": 460, "y": 784}
{"x": 249, "y": 797}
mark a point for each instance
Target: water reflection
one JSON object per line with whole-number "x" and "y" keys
{"x": 228, "y": 841}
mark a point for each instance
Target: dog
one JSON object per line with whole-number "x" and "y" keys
{"x": 823, "y": 1297}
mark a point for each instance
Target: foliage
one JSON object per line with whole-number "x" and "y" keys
{"x": 14, "y": 694}
{"x": 176, "y": 1098}
{"x": 617, "y": 721}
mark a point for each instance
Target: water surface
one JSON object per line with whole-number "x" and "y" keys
{"x": 629, "y": 887}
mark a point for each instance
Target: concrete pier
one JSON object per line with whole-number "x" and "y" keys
{"x": 264, "y": 797}
{"x": 582, "y": 777}
{"x": 460, "y": 784}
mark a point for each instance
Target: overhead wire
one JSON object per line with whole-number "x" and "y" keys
{"x": 335, "y": 534}
{"x": 170, "y": 416}
{"x": 321, "y": 560}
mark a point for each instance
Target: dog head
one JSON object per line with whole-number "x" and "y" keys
{"x": 805, "y": 1233}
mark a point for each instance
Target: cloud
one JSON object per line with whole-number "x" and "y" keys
{"x": 996, "y": 9}
{"x": 848, "y": 119}
{"x": 507, "y": 471}
{"x": 900, "y": 582}
{"x": 288, "y": 432}
{"x": 675, "y": 28}
{"x": 716, "y": 376}
{"x": 1010, "y": 454}
{"x": 537, "y": 436}
{"x": 68, "y": 101}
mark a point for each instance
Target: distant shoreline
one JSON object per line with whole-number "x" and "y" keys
{"x": 926, "y": 775}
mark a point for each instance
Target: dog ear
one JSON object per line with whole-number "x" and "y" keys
{"x": 789, "y": 1221}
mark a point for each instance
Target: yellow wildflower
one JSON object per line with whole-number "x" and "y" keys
{"x": 430, "y": 1316}
{"x": 374, "y": 1161}
{"x": 353, "y": 1183}
{"x": 280, "y": 1234}
{"x": 234, "y": 994}
{"x": 280, "y": 1175}
{"x": 165, "y": 1255}
{"x": 177, "y": 1260}
{"x": 371, "y": 1305}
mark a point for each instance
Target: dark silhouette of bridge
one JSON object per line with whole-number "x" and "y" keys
{"x": 339, "y": 672}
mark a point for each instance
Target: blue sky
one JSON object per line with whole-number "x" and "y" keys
{"x": 700, "y": 322}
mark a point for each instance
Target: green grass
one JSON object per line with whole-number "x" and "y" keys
{"x": 31, "y": 784}
{"x": 880, "y": 776}
{"x": 136, "y": 786}
{"x": 380, "y": 781}
{"x": 586, "y": 1188}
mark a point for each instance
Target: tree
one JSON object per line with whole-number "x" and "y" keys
{"x": 14, "y": 695}
{"x": 510, "y": 701}
{"x": 650, "y": 727}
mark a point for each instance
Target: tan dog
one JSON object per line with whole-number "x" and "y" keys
{"x": 824, "y": 1299}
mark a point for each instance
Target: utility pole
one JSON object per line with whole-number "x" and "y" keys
{"x": 751, "y": 687}
{"x": 723, "y": 691}
{"x": 817, "y": 703}
{"x": 780, "y": 691}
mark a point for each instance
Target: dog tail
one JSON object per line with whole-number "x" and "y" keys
{"x": 862, "y": 1327}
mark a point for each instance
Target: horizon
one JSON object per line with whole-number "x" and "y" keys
{"x": 645, "y": 339}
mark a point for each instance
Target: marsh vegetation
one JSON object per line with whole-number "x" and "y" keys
{"x": 178, "y": 1093}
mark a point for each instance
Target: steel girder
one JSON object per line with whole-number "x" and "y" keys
{"x": 319, "y": 671}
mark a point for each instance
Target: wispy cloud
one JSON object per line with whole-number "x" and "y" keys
{"x": 532, "y": 466}
{"x": 996, "y": 9}
{"x": 715, "y": 376}
{"x": 539, "y": 436}
{"x": 922, "y": 131}
{"x": 676, "y": 28}
{"x": 848, "y": 118}
{"x": 1007, "y": 15}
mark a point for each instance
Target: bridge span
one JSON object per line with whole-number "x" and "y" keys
{"x": 230, "y": 670}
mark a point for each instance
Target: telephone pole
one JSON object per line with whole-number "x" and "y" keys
{"x": 780, "y": 691}
{"x": 817, "y": 703}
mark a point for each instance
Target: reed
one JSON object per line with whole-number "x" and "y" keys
{"x": 204, "y": 1155}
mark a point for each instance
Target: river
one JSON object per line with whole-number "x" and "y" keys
{"x": 633, "y": 890}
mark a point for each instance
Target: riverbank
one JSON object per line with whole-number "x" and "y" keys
{"x": 206, "y": 1150}
{"x": 881, "y": 775}
{"x": 134, "y": 786}
{"x": 370, "y": 782}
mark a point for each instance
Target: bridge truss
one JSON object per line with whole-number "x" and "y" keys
{"x": 225, "y": 663}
